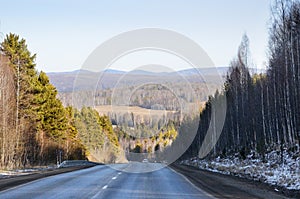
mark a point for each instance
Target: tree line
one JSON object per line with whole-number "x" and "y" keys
{"x": 35, "y": 127}
{"x": 263, "y": 110}
{"x": 155, "y": 97}
{"x": 147, "y": 145}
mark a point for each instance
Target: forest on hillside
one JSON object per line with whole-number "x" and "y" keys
{"x": 35, "y": 127}
{"x": 38, "y": 126}
{"x": 263, "y": 112}
{"x": 151, "y": 145}
{"x": 169, "y": 95}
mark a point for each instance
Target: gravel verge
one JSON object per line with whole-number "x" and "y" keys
{"x": 6, "y": 183}
{"x": 226, "y": 186}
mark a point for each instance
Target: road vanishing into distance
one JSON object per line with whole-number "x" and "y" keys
{"x": 133, "y": 180}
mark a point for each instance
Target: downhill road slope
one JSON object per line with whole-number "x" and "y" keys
{"x": 111, "y": 181}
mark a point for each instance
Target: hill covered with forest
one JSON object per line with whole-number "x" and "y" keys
{"x": 36, "y": 129}
{"x": 258, "y": 134}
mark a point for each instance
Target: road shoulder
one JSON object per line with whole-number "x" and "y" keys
{"x": 225, "y": 186}
{"x": 7, "y": 183}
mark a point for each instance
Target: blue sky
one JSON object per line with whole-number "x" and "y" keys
{"x": 63, "y": 33}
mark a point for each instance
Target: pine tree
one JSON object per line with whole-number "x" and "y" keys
{"x": 42, "y": 125}
{"x": 22, "y": 63}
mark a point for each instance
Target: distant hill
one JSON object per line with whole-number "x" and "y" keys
{"x": 81, "y": 80}
{"x": 140, "y": 88}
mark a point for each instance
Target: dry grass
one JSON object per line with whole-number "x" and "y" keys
{"x": 105, "y": 109}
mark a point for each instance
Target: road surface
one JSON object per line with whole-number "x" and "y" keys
{"x": 112, "y": 181}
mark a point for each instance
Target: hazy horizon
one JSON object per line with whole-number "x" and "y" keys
{"x": 63, "y": 38}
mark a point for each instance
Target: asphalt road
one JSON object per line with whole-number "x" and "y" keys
{"x": 111, "y": 181}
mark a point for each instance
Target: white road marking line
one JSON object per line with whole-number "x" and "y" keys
{"x": 105, "y": 187}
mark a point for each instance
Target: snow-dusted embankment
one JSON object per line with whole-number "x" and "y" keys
{"x": 281, "y": 170}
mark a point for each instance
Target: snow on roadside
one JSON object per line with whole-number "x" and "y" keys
{"x": 272, "y": 171}
{"x": 19, "y": 172}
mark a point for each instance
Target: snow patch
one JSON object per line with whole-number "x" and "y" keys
{"x": 19, "y": 172}
{"x": 277, "y": 169}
